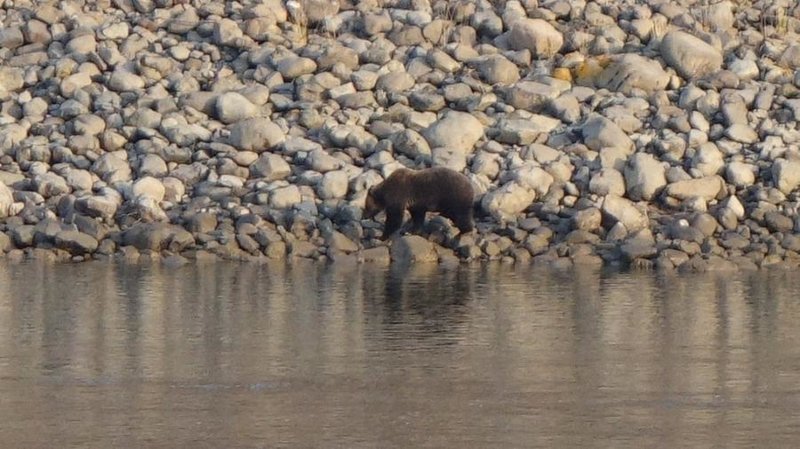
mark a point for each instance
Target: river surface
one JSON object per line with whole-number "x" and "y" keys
{"x": 228, "y": 355}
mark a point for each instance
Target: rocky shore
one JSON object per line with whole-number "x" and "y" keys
{"x": 649, "y": 133}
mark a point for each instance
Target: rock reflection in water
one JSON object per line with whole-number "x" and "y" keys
{"x": 310, "y": 355}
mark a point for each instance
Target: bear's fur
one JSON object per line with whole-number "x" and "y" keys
{"x": 437, "y": 189}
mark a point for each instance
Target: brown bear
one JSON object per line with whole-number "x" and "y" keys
{"x": 436, "y": 189}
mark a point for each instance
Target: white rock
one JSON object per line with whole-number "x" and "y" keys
{"x": 456, "y": 130}
{"x": 690, "y": 56}
{"x": 149, "y": 187}
{"x": 123, "y": 81}
{"x": 285, "y": 197}
{"x": 707, "y": 188}
{"x": 6, "y": 201}
{"x": 533, "y": 177}
{"x": 255, "y": 134}
{"x": 333, "y": 185}
{"x": 271, "y": 167}
{"x": 708, "y": 159}
{"x": 741, "y": 174}
{"x": 233, "y": 106}
{"x": 786, "y": 175}
{"x": 506, "y": 202}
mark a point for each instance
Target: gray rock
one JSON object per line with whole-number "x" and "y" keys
{"x": 690, "y": 56}
{"x": 778, "y": 222}
{"x": 599, "y": 132}
{"x": 621, "y": 210}
{"x": 413, "y": 249}
{"x": 157, "y": 237}
{"x": 589, "y": 219}
{"x": 202, "y": 223}
{"x": 271, "y": 167}
{"x": 395, "y": 82}
{"x": 411, "y": 144}
{"x": 227, "y": 32}
{"x": 294, "y": 67}
{"x": 124, "y": 81}
{"x": 11, "y": 38}
{"x": 111, "y": 168}
{"x": 536, "y": 35}
{"x": 75, "y": 242}
{"x": 533, "y": 177}
{"x": 97, "y": 206}
{"x": 524, "y": 132}
{"x": 256, "y": 134}
{"x": 456, "y": 130}
{"x": 644, "y": 176}
{"x": 233, "y": 106}
{"x": 741, "y": 133}
{"x": 497, "y": 69}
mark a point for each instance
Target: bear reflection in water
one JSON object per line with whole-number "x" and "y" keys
{"x": 437, "y": 189}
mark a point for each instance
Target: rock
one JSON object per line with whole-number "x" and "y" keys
{"x": 607, "y": 181}
{"x": 148, "y": 187}
{"x": 506, "y": 202}
{"x": 533, "y": 177}
{"x": 456, "y": 130}
{"x": 599, "y": 132}
{"x": 112, "y": 168}
{"x": 690, "y": 56}
{"x": 294, "y": 67}
{"x": 707, "y": 188}
{"x": 76, "y": 243}
{"x": 378, "y": 254}
{"x": 410, "y": 143}
{"x": 525, "y": 132}
{"x": 589, "y": 219}
{"x": 536, "y": 35}
{"x": 786, "y": 175}
{"x": 227, "y": 32}
{"x": 11, "y": 38}
{"x": 157, "y": 237}
{"x": 621, "y": 210}
{"x": 284, "y": 197}
{"x": 333, "y": 185}
{"x": 50, "y": 185}
{"x": 644, "y": 177}
{"x": 497, "y": 69}
{"x": 122, "y": 81}
{"x": 232, "y": 107}
{"x": 256, "y": 134}
{"x": 741, "y": 133}
{"x": 6, "y": 201}
{"x": 777, "y": 222}
{"x": 741, "y": 174}
{"x": 413, "y": 249}
{"x": 395, "y": 82}
{"x": 202, "y": 223}
{"x": 632, "y": 72}
{"x": 97, "y": 206}
{"x": 271, "y": 167}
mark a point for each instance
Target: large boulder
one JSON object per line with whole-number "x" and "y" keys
{"x": 536, "y": 35}
{"x": 621, "y": 210}
{"x": 413, "y": 249}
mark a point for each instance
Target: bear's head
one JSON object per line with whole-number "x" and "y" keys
{"x": 374, "y": 202}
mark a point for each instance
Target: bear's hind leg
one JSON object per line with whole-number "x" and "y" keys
{"x": 464, "y": 222}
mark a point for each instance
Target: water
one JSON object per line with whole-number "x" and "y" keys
{"x": 319, "y": 356}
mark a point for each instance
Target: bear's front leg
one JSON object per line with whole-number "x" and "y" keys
{"x": 394, "y": 220}
{"x": 417, "y": 219}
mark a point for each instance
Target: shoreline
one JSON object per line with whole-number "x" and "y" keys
{"x": 641, "y": 134}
